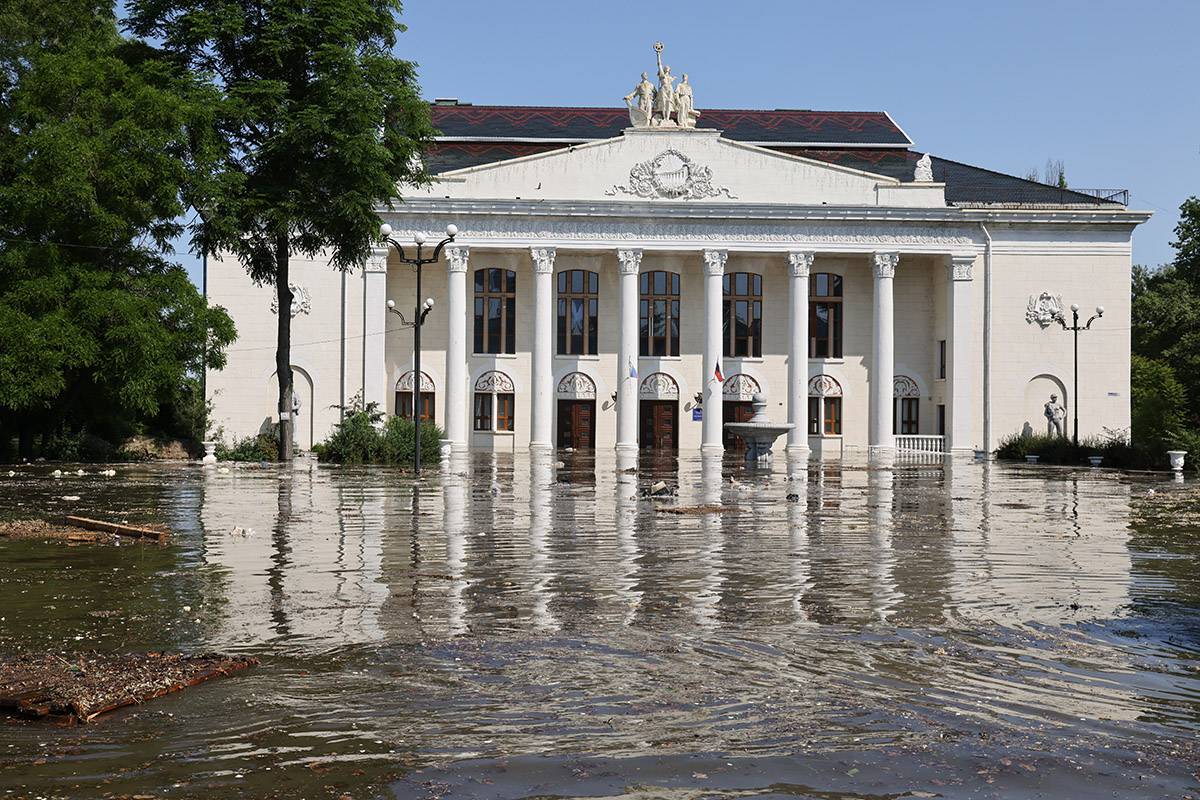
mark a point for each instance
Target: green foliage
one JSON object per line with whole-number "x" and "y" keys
{"x": 262, "y": 447}
{"x": 100, "y": 330}
{"x": 313, "y": 123}
{"x": 1158, "y": 403}
{"x": 359, "y": 440}
{"x": 1115, "y": 448}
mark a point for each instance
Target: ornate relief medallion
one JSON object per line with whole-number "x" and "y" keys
{"x": 823, "y": 386}
{"x": 659, "y": 386}
{"x": 301, "y": 303}
{"x": 577, "y": 386}
{"x": 672, "y": 176}
{"x": 405, "y": 384}
{"x": 740, "y": 387}
{"x": 1045, "y": 309}
{"x": 494, "y": 381}
{"x": 904, "y": 386}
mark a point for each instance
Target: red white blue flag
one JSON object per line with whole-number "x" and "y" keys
{"x": 717, "y": 373}
{"x": 632, "y": 369}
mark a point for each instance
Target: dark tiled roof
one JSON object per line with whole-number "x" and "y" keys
{"x": 813, "y": 128}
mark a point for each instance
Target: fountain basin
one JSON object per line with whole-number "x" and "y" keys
{"x": 759, "y": 433}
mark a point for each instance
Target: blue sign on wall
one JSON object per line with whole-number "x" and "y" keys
{"x": 697, "y": 415}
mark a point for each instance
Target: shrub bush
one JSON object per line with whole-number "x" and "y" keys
{"x": 1115, "y": 447}
{"x": 358, "y": 439}
{"x": 263, "y": 447}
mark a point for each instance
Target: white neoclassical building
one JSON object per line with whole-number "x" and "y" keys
{"x": 621, "y": 282}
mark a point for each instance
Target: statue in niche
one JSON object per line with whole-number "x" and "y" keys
{"x": 685, "y": 109}
{"x": 640, "y": 114}
{"x": 664, "y": 102}
{"x": 1056, "y": 416}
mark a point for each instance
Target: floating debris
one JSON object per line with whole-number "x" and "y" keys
{"x": 157, "y": 534}
{"x": 76, "y": 687}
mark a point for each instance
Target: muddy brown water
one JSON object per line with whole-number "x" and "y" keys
{"x": 511, "y": 628}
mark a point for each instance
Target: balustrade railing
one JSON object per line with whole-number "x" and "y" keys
{"x": 920, "y": 444}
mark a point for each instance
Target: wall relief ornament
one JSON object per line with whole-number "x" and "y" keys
{"x": 740, "y": 387}
{"x": 495, "y": 382}
{"x": 1045, "y": 309}
{"x": 659, "y": 386}
{"x": 301, "y": 302}
{"x": 671, "y": 176}
{"x": 824, "y": 386}
{"x": 960, "y": 268}
{"x": 577, "y": 386}
{"x": 405, "y": 384}
{"x": 904, "y": 386}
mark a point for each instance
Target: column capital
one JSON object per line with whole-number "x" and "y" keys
{"x": 543, "y": 260}
{"x": 884, "y": 264}
{"x": 960, "y": 268}
{"x": 800, "y": 263}
{"x": 714, "y": 261}
{"x": 377, "y": 261}
{"x": 456, "y": 257}
{"x": 629, "y": 261}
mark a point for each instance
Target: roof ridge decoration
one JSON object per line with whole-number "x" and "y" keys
{"x": 671, "y": 176}
{"x": 656, "y": 107}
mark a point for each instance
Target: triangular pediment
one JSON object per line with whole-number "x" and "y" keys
{"x": 673, "y": 165}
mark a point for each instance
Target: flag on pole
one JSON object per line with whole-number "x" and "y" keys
{"x": 632, "y": 369}
{"x": 717, "y": 373}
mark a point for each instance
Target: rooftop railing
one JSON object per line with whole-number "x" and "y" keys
{"x": 1036, "y": 197}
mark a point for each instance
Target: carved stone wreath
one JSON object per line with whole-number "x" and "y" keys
{"x": 672, "y": 176}
{"x": 904, "y": 386}
{"x": 494, "y": 381}
{"x": 740, "y": 387}
{"x": 301, "y": 302}
{"x": 577, "y": 386}
{"x": 659, "y": 386}
{"x": 405, "y": 384}
{"x": 1045, "y": 309}
{"x": 823, "y": 386}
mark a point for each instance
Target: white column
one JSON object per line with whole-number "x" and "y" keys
{"x": 883, "y": 359}
{"x": 375, "y": 377}
{"x": 958, "y": 357}
{"x": 714, "y": 270}
{"x": 628, "y": 264}
{"x": 542, "y": 408}
{"x": 457, "y": 400}
{"x": 797, "y": 403}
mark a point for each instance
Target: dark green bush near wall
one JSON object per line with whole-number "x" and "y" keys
{"x": 263, "y": 447}
{"x": 358, "y": 440}
{"x": 1116, "y": 450}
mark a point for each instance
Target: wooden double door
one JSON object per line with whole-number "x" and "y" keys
{"x": 576, "y": 424}
{"x": 735, "y": 411}
{"x": 660, "y": 425}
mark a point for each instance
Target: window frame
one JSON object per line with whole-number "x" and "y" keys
{"x": 741, "y": 289}
{"x": 821, "y": 292}
{"x": 824, "y": 414}
{"x": 505, "y": 300}
{"x": 404, "y": 404}
{"x": 649, "y": 295}
{"x": 941, "y": 373}
{"x": 587, "y": 295}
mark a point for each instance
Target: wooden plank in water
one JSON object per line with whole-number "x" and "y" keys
{"x": 120, "y": 530}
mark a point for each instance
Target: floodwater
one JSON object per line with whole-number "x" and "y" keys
{"x": 512, "y": 627}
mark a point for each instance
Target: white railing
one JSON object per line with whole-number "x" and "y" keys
{"x": 921, "y": 444}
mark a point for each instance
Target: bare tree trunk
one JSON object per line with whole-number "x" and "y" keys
{"x": 283, "y": 348}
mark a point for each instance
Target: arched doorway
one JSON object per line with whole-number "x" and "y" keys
{"x": 576, "y": 394}
{"x": 658, "y": 398}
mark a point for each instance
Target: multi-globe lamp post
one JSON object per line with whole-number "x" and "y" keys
{"x": 422, "y": 311}
{"x": 1075, "y": 327}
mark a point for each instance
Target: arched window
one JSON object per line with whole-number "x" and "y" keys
{"x": 825, "y": 316}
{"x": 494, "y": 402}
{"x": 495, "y": 311}
{"x": 906, "y": 407}
{"x": 659, "y": 314}
{"x": 578, "y": 313}
{"x": 824, "y": 406}
{"x": 742, "y": 332}
{"x": 404, "y": 397}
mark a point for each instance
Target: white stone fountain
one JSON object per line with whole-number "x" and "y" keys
{"x": 758, "y": 432}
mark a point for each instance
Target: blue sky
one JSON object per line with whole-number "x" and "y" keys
{"x": 1107, "y": 88}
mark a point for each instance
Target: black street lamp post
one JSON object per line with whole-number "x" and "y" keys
{"x": 385, "y": 231}
{"x": 1075, "y": 327}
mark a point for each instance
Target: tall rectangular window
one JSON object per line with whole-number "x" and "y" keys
{"x": 941, "y": 373}
{"x": 495, "y": 311}
{"x": 941, "y": 420}
{"x": 825, "y": 316}
{"x": 825, "y": 416}
{"x": 742, "y": 333}
{"x": 659, "y": 332}
{"x": 483, "y": 411}
{"x": 578, "y": 313}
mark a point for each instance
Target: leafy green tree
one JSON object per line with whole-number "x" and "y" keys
{"x": 99, "y": 328}
{"x": 1158, "y": 403}
{"x": 315, "y": 122}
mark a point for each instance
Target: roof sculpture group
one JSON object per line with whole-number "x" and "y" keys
{"x": 668, "y": 106}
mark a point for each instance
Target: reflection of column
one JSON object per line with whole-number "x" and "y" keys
{"x": 456, "y": 345}
{"x": 882, "y": 352}
{"x": 542, "y": 410}
{"x": 799, "y": 557}
{"x": 958, "y": 366}
{"x": 800, "y": 264}
{"x": 714, "y": 270}
{"x": 628, "y": 263}
{"x": 541, "y": 475}
{"x": 374, "y": 324}
{"x": 454, "y": 520}
{"x": 708, "y": 559}
{"x": 625, "y": 513}
{"x": 880, "y": 496}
